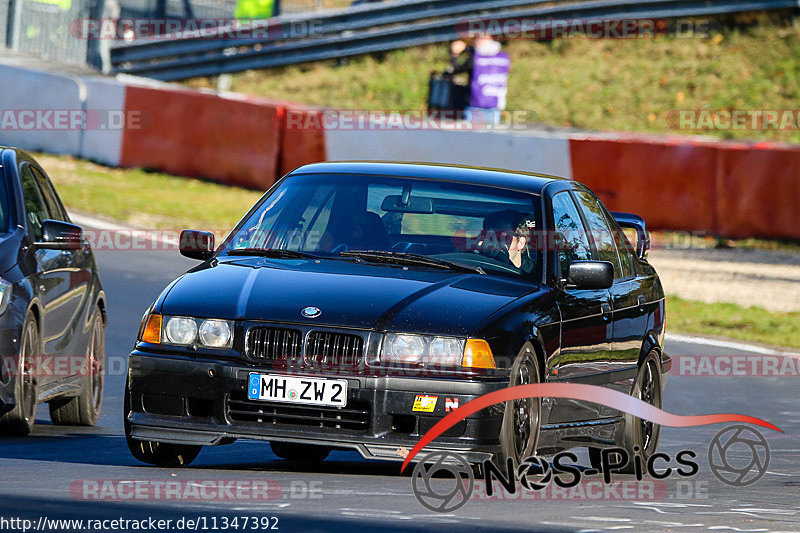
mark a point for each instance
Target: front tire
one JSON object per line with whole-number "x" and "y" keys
{"x": 84, "y": 410}
{"x": 156, "y": 453}
{"x": 20, "y": 419}
{"x": 519, "y": 435}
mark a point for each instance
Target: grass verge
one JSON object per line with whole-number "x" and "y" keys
{"x": 752, "y": 324}
{"x": 596, "y": 84}
{"x": 146, "y": 199}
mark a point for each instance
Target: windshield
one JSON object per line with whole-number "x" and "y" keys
{"x": 346, "y": 217}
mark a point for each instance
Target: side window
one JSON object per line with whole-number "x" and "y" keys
{"x": 35, "y": 211}
{"x": 625, "y": 251}
{"x": 573, "y": 243}
{"x": 51, "y": 201}
{"x": 600, "y": 229}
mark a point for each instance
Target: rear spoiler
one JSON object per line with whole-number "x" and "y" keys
{"x": 629, "y": 220}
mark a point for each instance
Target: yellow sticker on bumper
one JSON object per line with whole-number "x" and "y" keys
{"x": 425, "y": 403}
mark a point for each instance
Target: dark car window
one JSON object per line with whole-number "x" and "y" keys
{"x": 573, "y": 242}
{"x": 625, "y": 252}
{"x": 600, "y": 230}
{"x": 54, "y": 208}
{"x": 460, "y": 223}
{"x": 35, "y": 210}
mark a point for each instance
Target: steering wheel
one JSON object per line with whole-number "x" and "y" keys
{"x": 340, "y": 248}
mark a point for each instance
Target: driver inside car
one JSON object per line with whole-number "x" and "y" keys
{"x": 506, "y": 238}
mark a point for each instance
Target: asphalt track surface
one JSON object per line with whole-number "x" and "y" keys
{"x": 348, "y": 493}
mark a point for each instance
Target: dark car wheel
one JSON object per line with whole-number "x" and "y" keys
{"x": 84, "y": 410}
{"x": 153, "y": 452}
{"x": 299, "y": 452}
{"x": 20, "y": 419}
{"x": 519, "y": 435}
{"x": 640, "y": 434}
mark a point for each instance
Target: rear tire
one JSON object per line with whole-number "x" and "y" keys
{"x": 519, "y": 435}
{"x": 156, "y": 453}
{"x": 84, "y": 410}
{"x": 300, "y": 452}
{"x": 20, "y": 419}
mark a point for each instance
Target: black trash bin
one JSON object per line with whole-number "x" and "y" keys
{"x": 446, "y": 94}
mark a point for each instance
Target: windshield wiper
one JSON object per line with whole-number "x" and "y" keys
{"x": 276, "y": 253}
{"x": 405, "y": 258}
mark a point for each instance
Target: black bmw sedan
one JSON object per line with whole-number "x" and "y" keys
{"x": 52, "y": 305}
{"x": 358, "y": 303}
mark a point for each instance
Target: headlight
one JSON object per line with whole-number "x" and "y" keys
{"x": 405, "y": 348}
{"x": 215, "y": 333}
{"x": 445, "y": 347}
{"x": 181, "y": 330}
{"x": 185, "y": 331}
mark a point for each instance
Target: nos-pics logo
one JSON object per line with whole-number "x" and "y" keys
{"x": 444, "y": 481}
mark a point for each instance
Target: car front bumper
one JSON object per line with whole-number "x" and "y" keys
{"x": 182, "y": 400}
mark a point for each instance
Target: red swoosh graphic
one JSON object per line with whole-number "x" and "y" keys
{"x": 590, "y": 393}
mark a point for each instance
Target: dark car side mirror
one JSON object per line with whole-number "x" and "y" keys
{"x": 58, "y": 235}
{"x": 629, "y": 220}
{"x": 591, "y": 274}
{"x": 196, "y": 244}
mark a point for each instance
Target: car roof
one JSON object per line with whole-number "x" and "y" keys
{"x": 510, "y": 179}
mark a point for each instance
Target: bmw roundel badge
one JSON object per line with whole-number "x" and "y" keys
{"x": 311, "y": 312}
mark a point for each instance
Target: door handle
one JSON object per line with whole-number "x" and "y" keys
{"x": 642, "y": 301}
{"x": 605, "y": 310}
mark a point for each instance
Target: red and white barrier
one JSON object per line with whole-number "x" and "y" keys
{"x": 193, "y": 133}
{"x": 530, "y": 152}
{"x": 40, "y": 111}
{"x": 106, "y": 97}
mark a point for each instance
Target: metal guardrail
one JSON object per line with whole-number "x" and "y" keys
{"x": 368, "y": 29}
{"x": 297, "y": 28}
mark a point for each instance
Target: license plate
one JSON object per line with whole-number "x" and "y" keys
{"x": 291, "y": 389}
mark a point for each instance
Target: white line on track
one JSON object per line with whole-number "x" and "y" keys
{"x": 97, "y": 223}
{"x": 731, "y": 345}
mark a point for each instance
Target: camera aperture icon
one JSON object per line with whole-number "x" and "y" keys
{"x": 738, "y": 455}
{"x": 449, "y": 490}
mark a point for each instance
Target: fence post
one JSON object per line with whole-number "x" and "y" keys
{"x": 14, "y": 24}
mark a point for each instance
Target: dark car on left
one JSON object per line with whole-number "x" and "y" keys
{"x": 52, "y": 305}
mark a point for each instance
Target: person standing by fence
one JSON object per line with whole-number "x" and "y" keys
{"x": 488, "y": 82}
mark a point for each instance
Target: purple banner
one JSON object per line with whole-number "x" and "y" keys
{"x": 490, "y": 80}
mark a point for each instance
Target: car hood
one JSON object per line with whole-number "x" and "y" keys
{"x": 348, "y": 294}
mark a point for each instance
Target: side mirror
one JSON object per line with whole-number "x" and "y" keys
{"x": 591, "y": 274}
{"x": 629, "y": 220}
{"x": 196, "y": 244}
{"x": 57, "y": 235}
